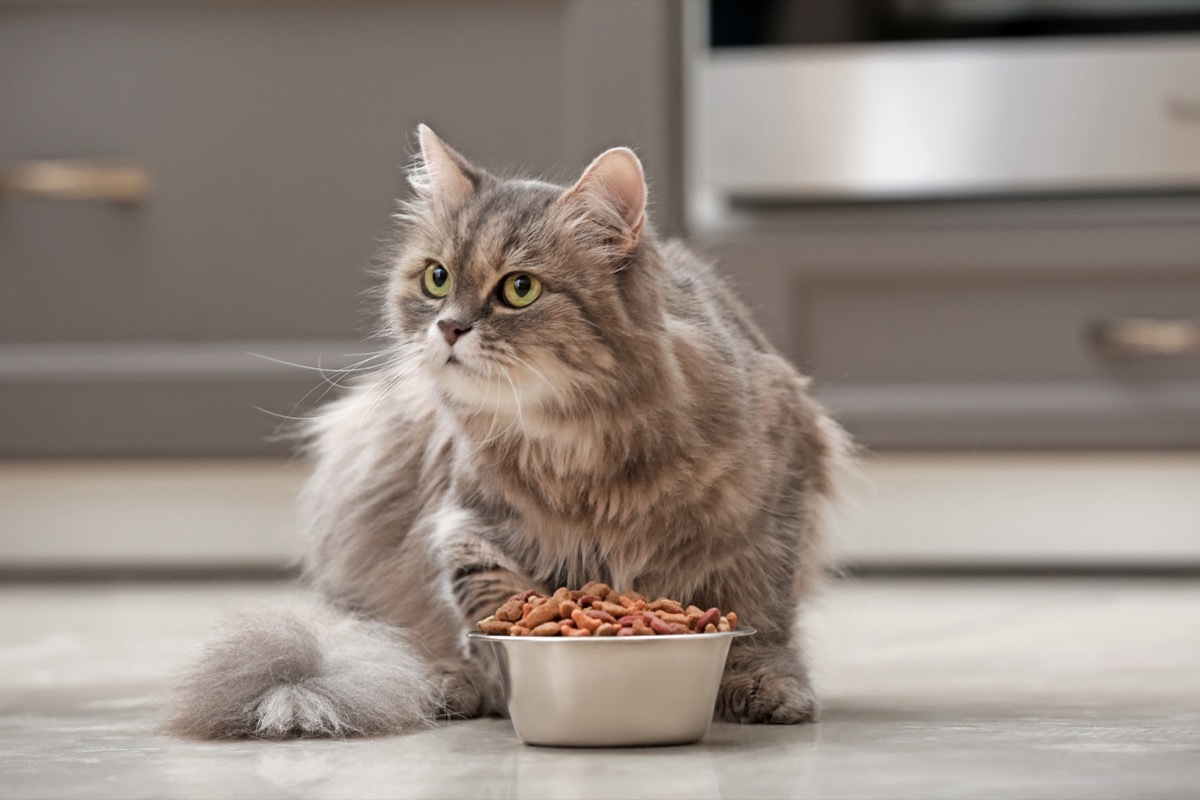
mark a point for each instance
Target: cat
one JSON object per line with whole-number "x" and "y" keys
{"x": 566, "y": 399}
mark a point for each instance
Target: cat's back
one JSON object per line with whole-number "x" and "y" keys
{"x": 701, "y": 302}
{"x": 735, "y": 373}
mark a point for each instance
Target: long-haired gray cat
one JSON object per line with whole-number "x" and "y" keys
{"x": 570, "y": 399}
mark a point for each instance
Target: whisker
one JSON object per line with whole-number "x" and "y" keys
{"x": 495, "y": 410}
{"x": 382, "y": 390}
{"x": 355, "y": 367}
{"x": 327, "y": 384}
{"x": 488, "y": 437}
{"x": 516, "y": 397}
{"x": 397, "y": 353}
{"x": 553, "y": 388}
{"x": 284, "y": 417}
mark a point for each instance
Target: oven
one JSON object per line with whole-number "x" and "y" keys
{"x": 898, "y": 99}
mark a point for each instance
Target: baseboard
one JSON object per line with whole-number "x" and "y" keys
{"x": 1041, "y": 510}
{"x": 148, "y": 514}
{"x": 915, "y": 512}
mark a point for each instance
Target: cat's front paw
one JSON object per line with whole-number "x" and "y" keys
{"x": 460, "y": 698}
{"x": 469, "y": 690}
{"x": 763, "y": 697}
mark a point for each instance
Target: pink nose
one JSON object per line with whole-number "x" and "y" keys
{"x": 452, "y": 329}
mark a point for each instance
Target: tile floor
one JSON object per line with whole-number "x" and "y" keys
{"x": 937, "y": 688}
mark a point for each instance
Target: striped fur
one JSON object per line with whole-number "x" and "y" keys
{"x": 631, "y": 425}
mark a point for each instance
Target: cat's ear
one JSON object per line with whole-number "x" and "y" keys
{"x": 440, "y": 171}
{"x": 613, "y": 190}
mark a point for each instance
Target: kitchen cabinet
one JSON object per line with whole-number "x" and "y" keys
{"x": 270, "y": 140}
{"x": 1030, "y": 324}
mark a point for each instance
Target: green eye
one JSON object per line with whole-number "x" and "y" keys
{"x": 520, "y": 290}
{"x": 436, "y": 280}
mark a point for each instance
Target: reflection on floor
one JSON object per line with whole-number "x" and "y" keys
{"x": 983, "y": 688}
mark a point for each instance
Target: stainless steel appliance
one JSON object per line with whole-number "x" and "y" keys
{"x": 894, "y": 99}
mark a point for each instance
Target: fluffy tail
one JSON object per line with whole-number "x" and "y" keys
{"x": 312, "y": 673}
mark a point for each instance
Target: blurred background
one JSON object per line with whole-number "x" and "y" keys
{"x": 975, "y": 223}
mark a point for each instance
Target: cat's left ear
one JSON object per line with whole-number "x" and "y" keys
{"x": 613, "y": 190}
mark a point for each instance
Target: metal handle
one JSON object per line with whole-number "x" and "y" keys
{"x": 79, "y": 180}
{"x": 1135, "y": 336}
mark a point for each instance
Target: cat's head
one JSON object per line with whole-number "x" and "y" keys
{"x": 522, "y": 294}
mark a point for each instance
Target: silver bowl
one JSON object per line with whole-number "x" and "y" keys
{"x": 612, "y": 691}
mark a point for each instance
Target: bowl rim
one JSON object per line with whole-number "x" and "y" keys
{"x": 744, "y": 630}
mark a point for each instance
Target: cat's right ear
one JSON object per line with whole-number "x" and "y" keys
{"x": 440, "y": 171}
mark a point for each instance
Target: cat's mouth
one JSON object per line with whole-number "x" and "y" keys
{"x": 459, "y": 365}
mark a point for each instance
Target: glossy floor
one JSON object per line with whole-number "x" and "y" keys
{"x": 971, "y": 688}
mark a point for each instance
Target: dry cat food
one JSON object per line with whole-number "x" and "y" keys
{"x": 597, "y": 610}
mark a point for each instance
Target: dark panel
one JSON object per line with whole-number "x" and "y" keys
{"x": 1018, "y": 415}
{"x": 213, "y": 417}
{"x": 276, "y": 136}
{"x": 926, "y": 330}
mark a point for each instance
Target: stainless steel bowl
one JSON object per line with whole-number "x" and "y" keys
{"x": 609, "y": 691}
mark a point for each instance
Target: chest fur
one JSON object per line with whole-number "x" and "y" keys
{"x": 644, "y": 523}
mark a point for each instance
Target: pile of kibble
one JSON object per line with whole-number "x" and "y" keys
{"x": 597, "y": 610}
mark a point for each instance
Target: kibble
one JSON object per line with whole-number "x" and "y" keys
{"x": 597, "y": 610}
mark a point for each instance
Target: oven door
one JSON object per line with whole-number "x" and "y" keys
{"x": 802, "y": 108}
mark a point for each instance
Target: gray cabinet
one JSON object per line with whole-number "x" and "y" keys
{"x": 984, "y": 325}
{"x": 274, "y": 135}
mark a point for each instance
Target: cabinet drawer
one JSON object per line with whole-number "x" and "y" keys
{"x": 976, "y": 331}
{"x": 922, "y": 363}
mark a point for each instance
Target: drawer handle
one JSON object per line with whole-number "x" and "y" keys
{"x": 1134, "y": 336}
{"x": 79, "y": 180}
